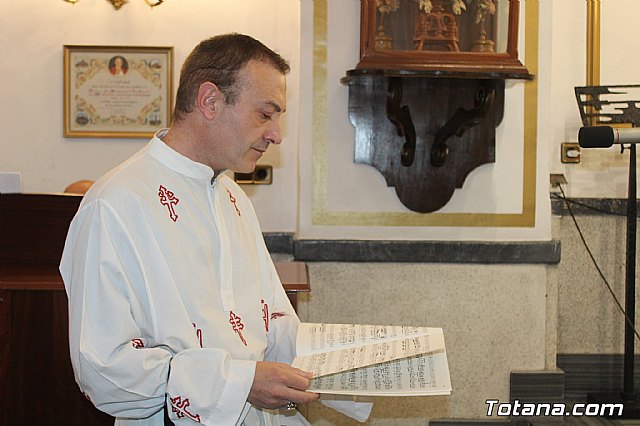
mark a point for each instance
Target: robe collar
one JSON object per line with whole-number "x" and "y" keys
{"x": 176, "y": 161}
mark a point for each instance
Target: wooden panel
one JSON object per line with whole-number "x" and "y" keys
{"x": 34, "y": 226}
{"x": 35, "y": 374}
{"x": 5, "y": 351}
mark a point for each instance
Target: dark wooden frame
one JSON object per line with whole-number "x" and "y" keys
{"x": 506, "y": 65}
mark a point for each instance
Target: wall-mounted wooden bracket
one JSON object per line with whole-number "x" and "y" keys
{"x": 462, "y": 120}
{"x": 400, "y": 116}
{"x": 424, "y": 134}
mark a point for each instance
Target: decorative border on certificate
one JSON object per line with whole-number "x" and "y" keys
{"x": 117, "y": 91}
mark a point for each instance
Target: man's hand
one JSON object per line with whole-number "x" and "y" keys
{"x": 276, "y": 384}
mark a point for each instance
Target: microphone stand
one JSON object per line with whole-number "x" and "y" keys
{"x": 630, "y": 281}
{"x": 628, "y": 396}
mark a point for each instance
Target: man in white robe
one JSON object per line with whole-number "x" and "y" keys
{"x": 174, "y": 302}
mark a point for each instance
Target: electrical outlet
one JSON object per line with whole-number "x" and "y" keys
{"x": 569, "y": 152}
{"x": 262, "y": 175}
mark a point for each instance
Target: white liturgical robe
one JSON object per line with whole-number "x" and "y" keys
{"x": 173, "y": 296}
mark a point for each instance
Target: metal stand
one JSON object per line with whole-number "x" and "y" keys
{"x": 628, "y": 396}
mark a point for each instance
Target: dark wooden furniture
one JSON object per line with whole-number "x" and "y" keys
{"x": 295, "y": 279}
{"x": 36, "y": 378}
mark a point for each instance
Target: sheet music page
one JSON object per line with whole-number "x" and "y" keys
{"x": 334, "y": 348}
{"x": 318, "y": 337}
{"x": 426, "y": 374}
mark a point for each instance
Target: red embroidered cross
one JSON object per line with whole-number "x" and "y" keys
{"x": 265, "y": 315}
{"x": 198, "y": 333}
{"x": 238, "y": 326}
{"x": 233, "y": 201}
{"x": 277, "y": 315}
{"x": 168, "y": 199}
{"x": 179, "y": 406}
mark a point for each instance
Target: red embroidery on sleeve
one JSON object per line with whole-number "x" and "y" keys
{"x": 137, "y": 343}
{"x": 238, "y": 326}
{"x": 167, "y": 198}
{"x": 277, "y": 315}
{"x": 233, "y": 201}
{"x": 198, "y": 333}
{"x": 265, "y": 315}
{"x": 179, "y": 406}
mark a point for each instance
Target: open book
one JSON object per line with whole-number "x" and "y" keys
{"x": 373, "y": 360}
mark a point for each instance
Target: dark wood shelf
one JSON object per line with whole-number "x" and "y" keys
{"x": 452, "y": 72}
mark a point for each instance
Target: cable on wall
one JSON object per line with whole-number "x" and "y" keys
{"x": 593, "y": 259}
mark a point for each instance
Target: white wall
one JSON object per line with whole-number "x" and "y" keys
{"x": 32, "y": 35}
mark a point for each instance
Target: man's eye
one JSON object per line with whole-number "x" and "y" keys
{"x": 265, "y": 115}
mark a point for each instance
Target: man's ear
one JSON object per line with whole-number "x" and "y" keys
{"x": 208, "y": 99}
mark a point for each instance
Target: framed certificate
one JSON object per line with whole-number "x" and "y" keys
{"x": 117, "y": 91}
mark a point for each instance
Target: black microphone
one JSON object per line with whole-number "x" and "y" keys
{"x": 606, "y": 136}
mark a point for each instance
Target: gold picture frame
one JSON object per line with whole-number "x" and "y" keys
{"x": 117, "y": 91}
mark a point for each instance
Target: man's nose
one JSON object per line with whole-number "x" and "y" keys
{"x": 274, "y": 134}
